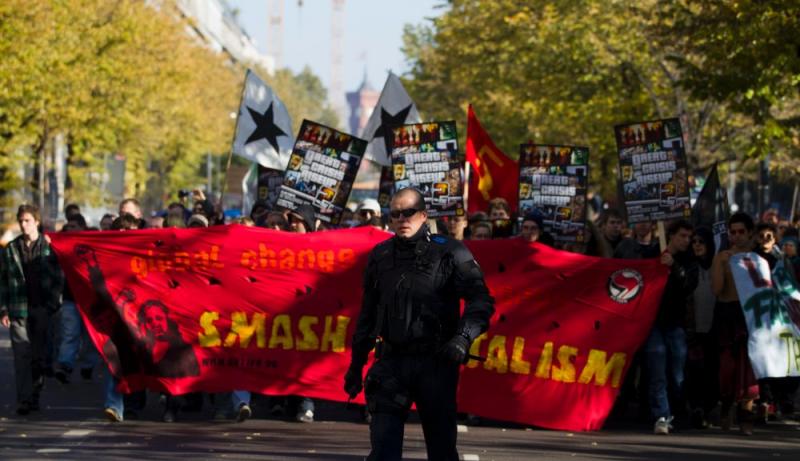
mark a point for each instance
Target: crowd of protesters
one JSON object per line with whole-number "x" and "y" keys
{"x": 692, "y": 370}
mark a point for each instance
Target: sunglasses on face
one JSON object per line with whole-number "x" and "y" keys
{"x": 407, "y": 213}
{"x": 737, "y": 231}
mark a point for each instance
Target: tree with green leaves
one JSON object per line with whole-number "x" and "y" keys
{"x": 122, "y": 78}
{"x": 566, "y": 72}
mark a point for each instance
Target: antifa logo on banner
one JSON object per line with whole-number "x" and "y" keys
{"x": 624, "y": 285}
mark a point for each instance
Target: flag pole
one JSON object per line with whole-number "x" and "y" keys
{"x": 662, "y": 235}
{"x": 230, "y": 152}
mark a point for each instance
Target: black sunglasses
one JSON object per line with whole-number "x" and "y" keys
{"x": 407, "y": 213}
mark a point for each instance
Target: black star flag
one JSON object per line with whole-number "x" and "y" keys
{"x": 394, "y": 107}
{"x": 263, "y": 127}
{"x": 711, "y": 209}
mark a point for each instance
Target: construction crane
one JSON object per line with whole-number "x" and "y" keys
{"x": 275, "y": 27}
{"x": 336, "y": 90}
{"x": 275, "y": 30}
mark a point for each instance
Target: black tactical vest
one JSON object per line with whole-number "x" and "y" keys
{"x": 414, "y": 302}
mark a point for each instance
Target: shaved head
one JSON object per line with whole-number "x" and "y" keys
{"x": 413, "y": 194}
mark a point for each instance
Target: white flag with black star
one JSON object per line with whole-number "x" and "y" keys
{"x": 394, "y": 107}
{"x": 263, "y": 126}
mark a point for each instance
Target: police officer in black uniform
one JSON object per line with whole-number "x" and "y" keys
{"x": 413, "y": 284}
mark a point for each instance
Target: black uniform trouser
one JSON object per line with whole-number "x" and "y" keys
{"x": 392, "y": 384}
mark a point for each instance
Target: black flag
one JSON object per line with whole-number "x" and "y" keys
{"x": 711, "y": 209}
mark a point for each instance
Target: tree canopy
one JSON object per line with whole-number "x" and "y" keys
{"x": 556, "y": 71}
{"x": 125, "y": 78}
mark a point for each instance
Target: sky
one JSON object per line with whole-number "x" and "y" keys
{"x": 372, "y": 35}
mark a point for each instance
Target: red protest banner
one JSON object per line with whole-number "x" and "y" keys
{"x": 233, "y": 307}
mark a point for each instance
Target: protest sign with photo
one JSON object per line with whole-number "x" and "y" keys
{"x": 425, "y": 156}
{"x": 385, "y": 189}
{"x": 321, "y": 171}
{"x": 771, "y": 304}
{"x": 552, "y": 182}
{"x": 269, "y": 185}
{"x": 652, "y": 170}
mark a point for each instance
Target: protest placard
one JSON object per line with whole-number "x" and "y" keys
{"x": 425, "y": 156}
{"x": 385, "y": 189}
{"x": 652, "y": 170}
{"x": 321, "y": 170}
{"x": 552, "y": 183}
{"x": 269, "y": 185}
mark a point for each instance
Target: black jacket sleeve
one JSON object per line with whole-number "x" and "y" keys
{"x": 364, "y": 336}
{"x": 470, "y": 285}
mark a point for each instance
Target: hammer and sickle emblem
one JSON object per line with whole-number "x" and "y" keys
{"x": 486, "y": 183}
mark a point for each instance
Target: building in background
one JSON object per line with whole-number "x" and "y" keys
{"x": 361, "y": 103}
{"x": 215, "y": 23}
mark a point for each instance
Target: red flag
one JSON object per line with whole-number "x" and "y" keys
{"x": 493, "y": 173}
{"x": 232, "y": 307}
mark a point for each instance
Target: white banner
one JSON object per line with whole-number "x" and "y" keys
{"x": 771, "y": 305}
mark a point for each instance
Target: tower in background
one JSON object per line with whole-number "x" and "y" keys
{"x": 362, "y": 102}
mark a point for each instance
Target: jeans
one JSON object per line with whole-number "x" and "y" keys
{"x": 74, "y": 339}
{"x": 135, "y": 401}
{"x": 29, "y": 343}
{"x": 114, "y": 398}
{"x": 240, "y": 398}
{"x": 666, "y": 356}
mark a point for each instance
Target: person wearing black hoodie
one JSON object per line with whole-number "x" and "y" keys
{"x": 665, "y": 348}
{"x": 702, "y": 363}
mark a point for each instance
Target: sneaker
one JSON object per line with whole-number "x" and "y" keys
{"x": 245, "y": 413}
{"x": 305, "y": 411}
{"x": 662, "y": 425}
{"x": 112, "y": 415}
{"x": 62, "y": 376}
{"x": 86, "y": 374}
{"x": 306, "y": 416}
{"x": 24, "y": 408}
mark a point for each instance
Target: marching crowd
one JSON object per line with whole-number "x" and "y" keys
{"x": 691, "y": 371}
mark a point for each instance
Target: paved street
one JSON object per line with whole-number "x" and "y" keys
{"x": 71, "y": 426}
